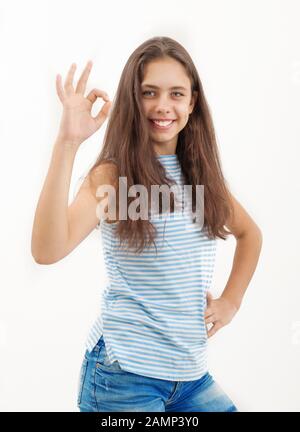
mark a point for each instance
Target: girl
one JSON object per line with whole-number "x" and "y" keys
{"x": 147, "y": 349}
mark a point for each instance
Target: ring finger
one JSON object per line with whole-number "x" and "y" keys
{"x": 69, "y": 80}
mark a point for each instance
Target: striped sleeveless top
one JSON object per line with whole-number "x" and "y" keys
{"x": 152, "y": 311}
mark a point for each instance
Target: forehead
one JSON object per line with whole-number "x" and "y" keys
{"x": 165, "y": 73}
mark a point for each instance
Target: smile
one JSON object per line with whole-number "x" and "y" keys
{"x": 162, "y": 125}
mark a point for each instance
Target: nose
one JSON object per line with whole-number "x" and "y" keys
{"x": 163, "y": 105}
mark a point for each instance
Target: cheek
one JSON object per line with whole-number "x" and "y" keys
{"x": 183, "y": 113}
{"x": 146, "y": 106}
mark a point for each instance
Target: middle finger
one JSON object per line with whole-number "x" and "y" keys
{"x": 83, "y": 78}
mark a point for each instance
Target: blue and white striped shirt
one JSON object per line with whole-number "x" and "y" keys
{"x": 152, "y": 314}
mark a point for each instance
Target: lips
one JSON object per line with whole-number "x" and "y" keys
{"x": 168, "y": 124}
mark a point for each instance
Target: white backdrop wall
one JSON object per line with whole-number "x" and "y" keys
{"x": 247, "y": 54}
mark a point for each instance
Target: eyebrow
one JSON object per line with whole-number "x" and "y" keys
{"x": 171, "y": 88}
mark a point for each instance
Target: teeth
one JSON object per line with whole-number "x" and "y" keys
{"x": 162, "y": 123}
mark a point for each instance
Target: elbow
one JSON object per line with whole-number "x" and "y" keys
{"x": 258, "y": 234}
{"x": 261, "y": 235}
{"x": 43, "y": 260}
{"x": 42, "y": 256}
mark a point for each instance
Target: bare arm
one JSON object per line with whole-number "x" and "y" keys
{"x": 248, "y": 247}
{"x": 50, "y": 227}
{"x": 220, "y": 311}
{"x": 57, "y": 229}
{"x": 76, "y": 221}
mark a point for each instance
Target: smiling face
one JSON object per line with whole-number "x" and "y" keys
{"x": 166, "y": 95}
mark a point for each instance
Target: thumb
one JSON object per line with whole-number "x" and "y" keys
{"x": 100, "y": 118}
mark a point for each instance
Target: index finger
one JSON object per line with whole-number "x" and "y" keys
{"x": 93, "y": 94}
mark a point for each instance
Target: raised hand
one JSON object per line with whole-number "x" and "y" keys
{"x": 77, "y": 123}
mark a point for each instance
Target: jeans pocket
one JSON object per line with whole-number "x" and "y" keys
{"x": 103, "y": 363}
{"x": 81, "y": 379}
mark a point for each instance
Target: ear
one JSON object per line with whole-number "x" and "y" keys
{"x": 193, "y": 101}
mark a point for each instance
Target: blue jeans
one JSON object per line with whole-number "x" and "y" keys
{"x": 106, "y": 387}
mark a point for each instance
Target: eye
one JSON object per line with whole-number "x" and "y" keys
{"x": 151, "y": 91}
{"x": 147, "y": 91}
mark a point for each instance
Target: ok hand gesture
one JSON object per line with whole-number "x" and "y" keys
{"x": 77, "y": 123}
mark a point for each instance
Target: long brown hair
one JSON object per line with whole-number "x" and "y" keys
{"x": 127, "y": 144}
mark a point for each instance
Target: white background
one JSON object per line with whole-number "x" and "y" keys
{"x": 247, "y": 54}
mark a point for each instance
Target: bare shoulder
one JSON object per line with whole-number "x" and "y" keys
{"x": 105, "y": 173}
{"x": 82, "y": 212}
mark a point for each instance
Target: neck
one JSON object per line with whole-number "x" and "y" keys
{"x": 166, "y": 149}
